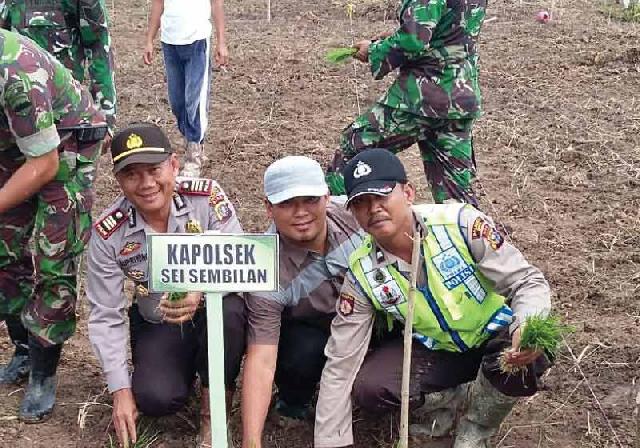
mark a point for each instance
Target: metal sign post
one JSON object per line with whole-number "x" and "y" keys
{"x": 213, "y": 263}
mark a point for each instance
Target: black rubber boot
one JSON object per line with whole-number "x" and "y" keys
{"x": 18, "y": 367}
{"x": 40, "y": 396}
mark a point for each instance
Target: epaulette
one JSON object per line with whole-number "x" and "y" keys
{"x": 200, "y": 187}
{"x": 110, "y": 223}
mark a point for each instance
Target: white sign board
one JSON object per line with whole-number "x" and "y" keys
{"x": 213, "y": 263}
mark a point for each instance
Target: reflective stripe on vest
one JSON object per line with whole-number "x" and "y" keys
{"x": 459, "y": 308}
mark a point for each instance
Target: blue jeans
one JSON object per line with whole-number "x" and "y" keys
{"x": 188, "y": 79}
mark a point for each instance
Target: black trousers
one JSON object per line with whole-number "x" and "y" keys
{"x": 377, "y": 387}
{"x": 300, "y": 361}
{"x": 167, "y": 357}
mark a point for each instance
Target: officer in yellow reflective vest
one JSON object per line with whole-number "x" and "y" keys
{"x": 474, "y": 292}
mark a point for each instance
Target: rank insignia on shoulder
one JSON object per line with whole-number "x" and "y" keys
{"x": 201, "y": 187}
{"x": 223, "y": 211}
{"x": 110, "y": 223}
{"x": 193, "y": 226}
{"x": 130, "y": 248}
{"x": 346, "y": 303}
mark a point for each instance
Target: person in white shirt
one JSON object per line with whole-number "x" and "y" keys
{"x": 185, "y": 31}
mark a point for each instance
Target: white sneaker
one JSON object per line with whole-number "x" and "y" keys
{"x": 193, "y": 160}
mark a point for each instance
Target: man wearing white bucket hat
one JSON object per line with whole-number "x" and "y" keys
{"x": 288, "y": 329}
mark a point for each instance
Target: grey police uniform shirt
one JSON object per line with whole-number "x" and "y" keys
{"x": 524, "y": 286}
{"x": 118, "y": 250}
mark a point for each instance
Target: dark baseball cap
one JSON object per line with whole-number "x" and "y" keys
{"x": 139, "y": 143}
{"x": 373, "y": 171}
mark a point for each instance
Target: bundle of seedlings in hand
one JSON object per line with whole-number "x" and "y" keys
{"x": 192, "y": 226}
{"x": 339, "y": 55}
{"x": 541, "y": 334}
{"x": 175, "y": 296}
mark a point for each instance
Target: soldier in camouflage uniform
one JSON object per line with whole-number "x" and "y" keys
{"x": 76, "y": 33}
{"x": 50, "y": 138}
{"x": 435, "y": 99}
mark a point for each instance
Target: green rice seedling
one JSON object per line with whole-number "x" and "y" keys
{"x": 541, "y": 333}
{"x": 147, "y": 437}
{"x": 630, "y": 14}
{"x": 340, "y": 55}
{"x": 175, "y": 296}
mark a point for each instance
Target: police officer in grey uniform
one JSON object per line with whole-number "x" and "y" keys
{"x": 474, "y": 293}
{"x": 168, "y": 338}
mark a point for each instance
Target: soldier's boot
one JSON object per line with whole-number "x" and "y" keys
{"x": 438, "y": 413}
{"x": 40, "y": 396}
{"x": 334, "y": 177}
{"x": 486, "y": 410}
{"x": 194, "y": 158}
{"x": 19, "y": 365}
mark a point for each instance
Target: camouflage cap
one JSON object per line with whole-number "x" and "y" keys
{"x": 139, "y": 143}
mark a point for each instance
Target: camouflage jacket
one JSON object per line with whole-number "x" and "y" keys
{"x": 37, "y": 94}
{"x": 435, "y": 50}
{"x": 76, "y": 33}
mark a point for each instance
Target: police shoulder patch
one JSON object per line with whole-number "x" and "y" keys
{"x": 346, "y": 303}
{"x": 482, "y": 229}
{"x": 199, "y": 187}
{"x": 110, "y": 223}
{"x": 223, "y": 211}
{"x": 216, "y": 196}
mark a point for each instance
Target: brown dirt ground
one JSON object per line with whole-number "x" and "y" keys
{"x": 559, "y": 157}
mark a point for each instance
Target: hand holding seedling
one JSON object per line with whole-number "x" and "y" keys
{"x": 517, "y": 357}
{"x": 125, "y": 414}
{"x": 363, "y": 50}
{"x": 538, "y": 334}
{"x": 180, "y": 310}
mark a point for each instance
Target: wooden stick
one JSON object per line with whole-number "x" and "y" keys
{"x": 637, "y": 414}
{"x": 268, "y": 10}
{"x": 408, "y": 338}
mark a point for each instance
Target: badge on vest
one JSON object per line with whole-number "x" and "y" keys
{"x": 452, "y": 267}
{"x": 378, "y": 276}
{"x": 389, "y": 294}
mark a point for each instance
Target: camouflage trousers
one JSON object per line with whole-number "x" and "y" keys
{"x": 41, "y": 241}
{"x": 445, "y": 146}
